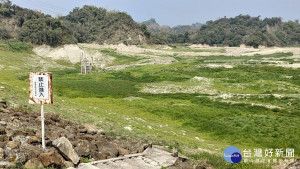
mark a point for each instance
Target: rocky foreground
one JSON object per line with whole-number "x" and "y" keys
{"x": 67, "y": 144}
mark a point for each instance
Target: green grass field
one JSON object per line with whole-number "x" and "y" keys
{"x": 183, "y": 101}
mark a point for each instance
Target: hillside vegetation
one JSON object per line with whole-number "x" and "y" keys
{"x": 88, "y": 24}
{"x": 31, "y": 26}
{"x": 242, "y": 29}
{"x": 251, "y": 31}
{"x": 92, "y": 24}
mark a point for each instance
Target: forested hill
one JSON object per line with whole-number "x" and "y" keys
{"x": 252, "y": 31}
{"x": 87, "y": 24}
{"x": 92, "y": 24}
{"x": 31, "y": 26}
{"x": 242, "y": 29}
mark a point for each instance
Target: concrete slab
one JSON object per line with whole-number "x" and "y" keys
{"x": 132, "y": 163}
{"x": 151, "y": 158}
{"x": 163, "y": 158}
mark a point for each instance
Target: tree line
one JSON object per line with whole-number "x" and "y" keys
{"x": 92, "y": 24}
{"x": 84, "y": 25}
{"x": 242, "y": 29}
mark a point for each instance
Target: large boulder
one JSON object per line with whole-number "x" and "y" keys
{"x": 34, "y": 163}
{"x": 51, "y": 159}
{"x": 66, "y": 149}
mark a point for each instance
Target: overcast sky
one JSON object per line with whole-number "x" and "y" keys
{"x": 175, "y": 12}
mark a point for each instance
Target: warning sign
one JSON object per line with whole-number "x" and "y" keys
{"x": 40, "y": 88}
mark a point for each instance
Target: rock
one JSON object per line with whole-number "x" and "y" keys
{"x": 68, "y": 164}
{"x": 82, "y": 130}
{"x": 294, "y": 165}
{"x": 87, "y": 137}
{"x": 2, "y": 130}
{"x": 32, "y": 140}
{"x": 140, "y": 150}
{"x": 21, "y": 157}
{"x": 69, "y": 128}
{"x": 54, "y": 117}
{"x": 3, "y": 138}
{"x": 66, "y": 149}
{"x": 84, "y": 148}
{"x": 128, "y": 128}
{"x": 13, "y": 144}
{"x": 21, "y": 139}
{"x": 39, "y": 135}
{"x": 186, "y": 164}
{"x": 113, "y": 152}
{"x": 99, "y": 155}
{"x": 4, "y": 110}
{"x": 51, "y": 159}
{"x": 34, "y": 163}
{"x": 3, "y": 144}
{"x": 14, "y": 133}
{"x": 2, "y": 153}
{"x": 82, "y": 151}
{"x": 145, "y": 146}
{"x": 11, "y": 155}
{"x": 31, "y": 151}
{"x": 3, "y": 123}
{"x": 162, "y": 157}
{"x": 101, "y": 132}
{"x": 91, "y": 129}
{"x": 71, "y": 137}
{"x": 101, "y": 142}
{"x": 54, "y": 135}
{"x": 123, "y": 151}
{"x": 6, "y": 164}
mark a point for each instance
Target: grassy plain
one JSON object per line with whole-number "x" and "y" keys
{"x": 204, "y": 109}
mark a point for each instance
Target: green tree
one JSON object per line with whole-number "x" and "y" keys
{"x": 4, "y": 34}
{"x": 254, "y": 41}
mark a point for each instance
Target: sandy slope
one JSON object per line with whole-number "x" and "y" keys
{"x": 154, "y": 55}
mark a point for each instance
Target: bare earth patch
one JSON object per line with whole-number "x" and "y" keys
{"x": 201, "y": 85}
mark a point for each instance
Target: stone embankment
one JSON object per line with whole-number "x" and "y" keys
{"x": 69, "y": 145}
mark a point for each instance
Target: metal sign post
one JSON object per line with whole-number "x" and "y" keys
{"x": 43, "y": 126}
{"x": 40, "y": 92}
